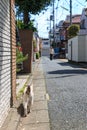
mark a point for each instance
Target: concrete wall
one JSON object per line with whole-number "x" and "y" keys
{"x": 73, "y": 49}
{"x": 86, "y": 49}
{"x": 77, "y": 48}
{"x": 81, "y": 48}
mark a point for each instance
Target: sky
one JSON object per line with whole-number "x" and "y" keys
{"x": 61, "y": 10}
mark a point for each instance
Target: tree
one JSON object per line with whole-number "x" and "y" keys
{"x": 73, "y": 30}
{"x": 30, "y": 25}
{"x": 28, "y": 7}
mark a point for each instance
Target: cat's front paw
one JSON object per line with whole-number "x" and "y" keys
{"x": 25, "y": 115}
{"x": 29, "y": 111}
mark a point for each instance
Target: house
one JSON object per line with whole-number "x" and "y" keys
{"x": 77, "y": 46}
{"x": 63, "y": 25}
{"x": 45, "y": 43}
{"x": 7, "y": 58}
{"x": 37, "y": 46}
{"x": 66, "y": 23}
{"x": 83, "y": 22}
{"x": 61, "y": 37}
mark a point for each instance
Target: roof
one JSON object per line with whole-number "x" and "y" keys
{"x": 75, "y": 19}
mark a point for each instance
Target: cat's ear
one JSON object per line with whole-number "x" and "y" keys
{"x": 28, "y": 86}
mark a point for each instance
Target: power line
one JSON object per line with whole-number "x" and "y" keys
{"x": 67, "y": 2}
{"x": 80, "y": 3}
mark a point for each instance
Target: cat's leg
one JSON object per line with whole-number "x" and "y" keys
{"x": 28, "y": 107}
{"x": 25, "y": 109}
{"x": 30, "y": 103}
{"x": 28, "y": 110}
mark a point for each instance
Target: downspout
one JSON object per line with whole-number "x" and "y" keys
{"x": 13, "y": 54}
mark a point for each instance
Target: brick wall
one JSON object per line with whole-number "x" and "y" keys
{"x": 26, "y": 37}
{"x": 13, "y": 58}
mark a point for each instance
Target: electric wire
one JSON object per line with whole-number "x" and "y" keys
{"x": 80, "y": 3}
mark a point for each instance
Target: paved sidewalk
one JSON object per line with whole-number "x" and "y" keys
{"x": 38, "y": 119}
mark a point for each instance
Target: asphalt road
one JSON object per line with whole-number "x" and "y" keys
{"x": 67, "y": 89}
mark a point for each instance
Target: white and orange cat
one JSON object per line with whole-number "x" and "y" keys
{"x": 28, "y": 99}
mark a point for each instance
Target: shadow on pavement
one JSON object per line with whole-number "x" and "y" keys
{"x": 68, "y": 71}
{"x": 74, "y": 64}
{"x": 20, "y": 110}
{"x": 63, "y": 76}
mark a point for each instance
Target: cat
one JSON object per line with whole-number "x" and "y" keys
{"x": 28, "y": 99}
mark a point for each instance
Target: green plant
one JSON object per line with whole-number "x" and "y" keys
{"x": 37, "y": 55}
{"x": 28, "y": 7}
{"x": 21, "y": 91}
{"x": 34, "y": 45}
{"x": 30, "y": 25}
{"x": 73, "y": 30}
{"x": 19, "y": 57}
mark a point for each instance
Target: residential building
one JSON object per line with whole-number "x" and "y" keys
{"x": 61, "y": 32}
{"x": 77, "y": 46}
{"x": 7, "y": 58}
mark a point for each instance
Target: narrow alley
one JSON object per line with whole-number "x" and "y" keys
{"x": 67, "y": 89}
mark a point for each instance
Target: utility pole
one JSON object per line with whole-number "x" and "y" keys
{"x": 50, "y": 28}
{"x": 70, "y": 12}
{"x": 53, "y": 24}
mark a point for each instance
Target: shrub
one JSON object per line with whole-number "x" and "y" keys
{"x": 34, "y": 46}
{"x": 30, "y": 25}
{"x": 19, "y": 57}
{"x": 37, "y": 55}
{"x": 73, "y": 30}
